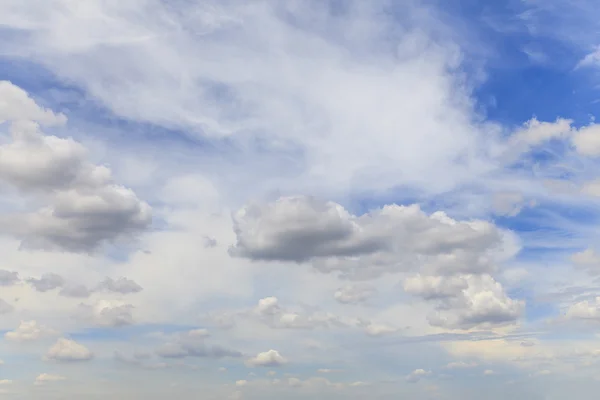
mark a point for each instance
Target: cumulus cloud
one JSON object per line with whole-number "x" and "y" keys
{"x": 44, "y": 378}
{"x": 110, "y": 313}
{"x": 417, "y": 375}
{"x": 353, "y": 294}
{"x": 269, "y": 311}
{"x": 16, "y": 105}
{"x": 587, "y": 141}
{"x": 585, "y": 310}
{"x": 270, "y": 358}
{"x": 85, "y": 208}
{"x": 67, "y": 350}
{"x": 466, "y": 301}
{"x": 300, "y": 229}
{"x": 30, "y": 331}
{"x": 588, "y": 260}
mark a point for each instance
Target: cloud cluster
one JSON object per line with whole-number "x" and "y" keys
{"x": 454, "y": 260}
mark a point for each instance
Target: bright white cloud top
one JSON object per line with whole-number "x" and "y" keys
{"x": 299, "y": 200}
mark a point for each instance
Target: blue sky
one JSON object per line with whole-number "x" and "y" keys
{"x": 256, "y": 200}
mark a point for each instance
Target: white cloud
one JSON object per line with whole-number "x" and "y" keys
{"x": 461, "y": 365}
{"x": 417, "y": 375}
{"x": 44, "y": 378}
{"x": 587, "y": 140}
{"x": 534, "y": 132}
{"x": 30, "y": 331}
{"x": 16, "y": 105}
{"x": 585, "y": 310}
{"x": 270, "y": 358}
{"x": 465, "y": 301}
{"x": 375, "y": 329}
{"x": 356, "y": 293}
{"x": 67, "y": 350}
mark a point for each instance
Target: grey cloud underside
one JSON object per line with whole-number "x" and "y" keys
{"x": 203, "y": 351}
{"x": 193, "y": 344}
{"x": 47, "y": 282}
{"x": 51, "y": 281}
{"x": 8, "y": 278}
{"x": 391, "y": 239}
{"x": 120, "y": 285}
{"x": 84, "y": 208}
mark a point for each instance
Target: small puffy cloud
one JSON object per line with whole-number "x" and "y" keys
{"x": 5, "y": 382}
{"x": 241, "y": 382}
{"x": 488, "y": 372}
{"x": 585, "y": 310}
{"x": 534, "y": 132}
{"x": 30, "y": 331}
{"x": 46, "y": 378}
{"x": 587, "y": 140}
{"x": 47, "y": 282}
{"x": 8, "y": 278}
{"x": 5, "y": 308}
{"x": 466, "y": 301}
{"x": 120, "y": 285}
{"x": 111, "y": 313}
{"x": 417, "y": 375}
{"x": 270, "y": 358}
{"x": 16, "y": 105}
{"x": 587, "y": 260}
{"x": 353, "y": 294}
{"x": 67, "y": 350}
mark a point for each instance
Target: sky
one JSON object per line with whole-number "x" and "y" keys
{"x": 302, "y": 199}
